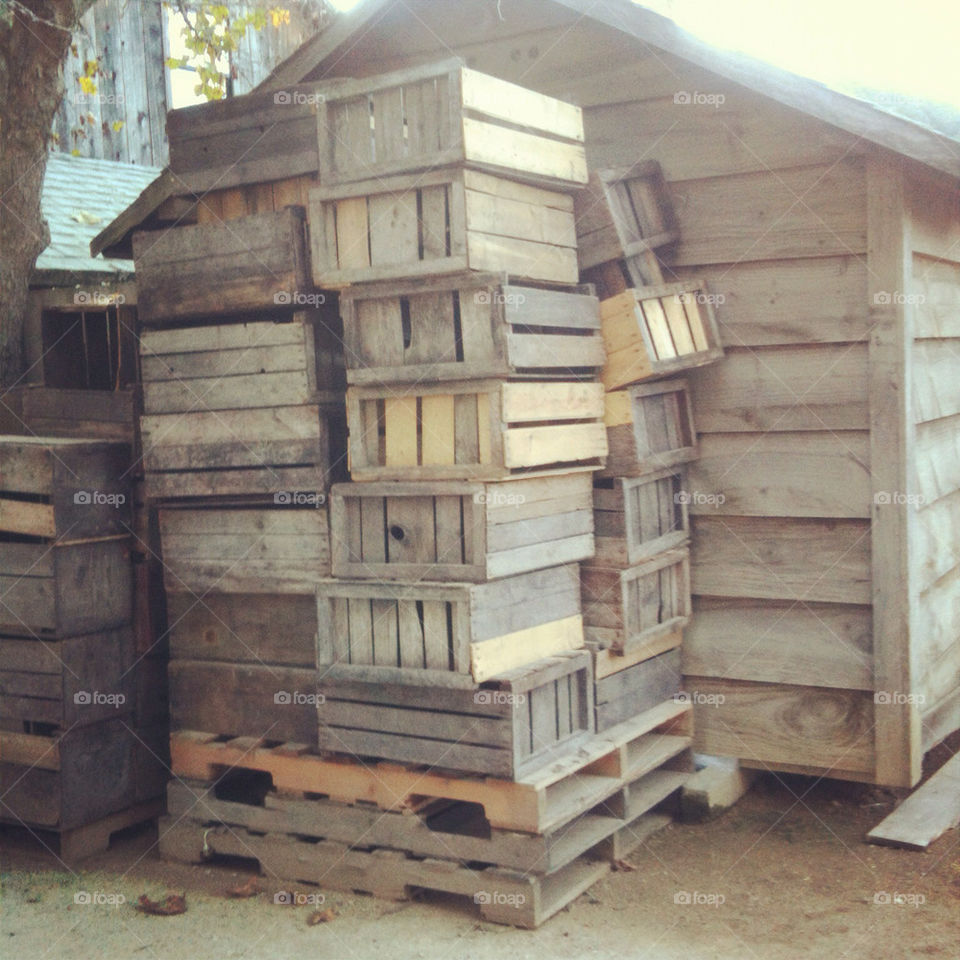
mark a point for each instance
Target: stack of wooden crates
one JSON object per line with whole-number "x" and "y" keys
{"x": 82, "y": 731}
{"x": 452, "y": 687}
{"x": 636, "y": 589}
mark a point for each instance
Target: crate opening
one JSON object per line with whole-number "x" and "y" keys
{"x": 88, "y": 350}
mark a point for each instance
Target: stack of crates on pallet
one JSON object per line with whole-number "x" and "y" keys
{"x": 81, "y": 741}
{"x": 636, "y": 589}
{"x": 454, "y": 745}
{"x": 242, "y": 431}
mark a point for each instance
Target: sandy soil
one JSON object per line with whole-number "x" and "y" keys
{"x": 784, "y": 874}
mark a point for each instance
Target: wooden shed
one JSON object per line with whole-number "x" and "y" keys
{"x": 825, "y": 506}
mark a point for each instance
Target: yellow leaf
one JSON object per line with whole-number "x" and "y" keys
{"x": 117, "y": 126}
{"x": 279, "y": 16}
{"x": 87, "y": 85}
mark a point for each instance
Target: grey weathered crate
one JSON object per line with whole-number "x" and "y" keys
{"x": 67, "y": 683}
{"x": 636, "y": 518}
{"x": 439, "y": 222}
{"x": 627, "y": 608}
{"x": 622, "y": 215}
{"x": 249, "y": 264}
{"x": 523, "y": 720}
{"x": 639, "y": 687}
{"x": 440, "y": 114}
{"x": 452, "y": 635}
{"x": 469, "y": 326}
{"x": 649, "y": 427}
{"x": 244, "y": 549}
{"x": 63, "y": 489}
{"x": 453, "y": 530}
{"x": 474, "y": 430}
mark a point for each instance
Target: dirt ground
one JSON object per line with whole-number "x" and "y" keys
{"x": 784, "y": 874}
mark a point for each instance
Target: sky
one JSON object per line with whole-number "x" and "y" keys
{"x": 907, "y": 47}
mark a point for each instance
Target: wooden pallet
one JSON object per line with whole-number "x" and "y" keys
{"x": 426, "y": 117}
{"x": 451, "y": 635}
{"x": 467, "y": 327}
{"x": 657, "y": 331}
{"x": 649, "y": 428}
{"x": 277, "y": 549}
{"x": 624, "y": 608}
{"x": 526, "y": 718}
{"x": 453, "y": 530}
{"x": 535, "y": 803}
{"x": 440, "y": 222}
{"x": 250, "y": 264}
{"x": 481, "y": 430}
{"x": 623, "y": 217}
{"x": 636, "y": 518}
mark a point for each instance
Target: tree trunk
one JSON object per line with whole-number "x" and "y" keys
{"x": 35, "y": 36}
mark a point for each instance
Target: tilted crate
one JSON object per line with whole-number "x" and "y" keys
{"x": 628, "y": 608}
{"x": 441, "y": 114}
{"x": 649, "y": 427}
{"x": 658, "y": 330}
{"x": 636, "y": 518}
{"x": 469, "y": 326}
{"x": 245, "y": 549}
{"x": 453, "y": 530}
{"x": 452, "y": 635}
{"x": 474, "y": 430}
{"x": 442, "y": 221}
{"x": 638, "y": 687}
{"x": 248, "y": 264}
{"x": 517, "y": 723}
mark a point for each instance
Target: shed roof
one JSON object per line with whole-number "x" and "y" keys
{"x": 81, "y": 196}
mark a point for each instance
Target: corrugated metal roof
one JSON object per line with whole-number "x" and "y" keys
{"x": 80, "y": 197}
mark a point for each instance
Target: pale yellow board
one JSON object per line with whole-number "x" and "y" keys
{"x": 493, "y": 657}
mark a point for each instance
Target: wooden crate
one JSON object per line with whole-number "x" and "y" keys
{"x": 219, "y": 269}
{"x": 82, "y": 414}
{"x": 637, "y": 688}
{"x": 245, "y": 549}
{"x": 63, "y": 489}
{"x": 622, "y": 215}
{"x": 237, "y": 366}
{"x": 471, "y": 326}
{"x": 444, "y": 113}
{"x": 636, "y": 518}
{"x": 454, "y": 530}
{"x": 481, "y": 430}
{"x": 443, "y": 221}
{"x": 452, "y": 635}
{"x": 523, "y": 720}
{"x": 656, "y": 331}
{"x": 67, "y": 683}
{"x": 649, "y": 428}
{"x": 64, "y": 589}
{"x": 244, "y": 699}
{"x": 628, "y": 608}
